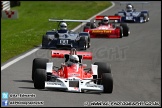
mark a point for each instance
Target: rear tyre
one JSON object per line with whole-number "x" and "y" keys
{"x": 144, "y": 17}
{"x": 86, "y": 37}
{"x": 116, "y": 14}
{"x": 38, "y": 63}
{"x": 86, "y": 27}
{"x": 147, "y": 17}
{"x": 121, "y": 31}
{"x": 107, "y": 82}
{"x": 91, "y": 25}
{"x": 40, "y": 78}
{"x": 83, "y": 43}
{"x": 89, "y": 42}
{"x": 45, "y": 41}
{"x": 126, "y": 30}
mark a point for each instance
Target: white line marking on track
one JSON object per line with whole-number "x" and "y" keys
{"x": 34, "y": 50}
{"x": 19, "y": 58}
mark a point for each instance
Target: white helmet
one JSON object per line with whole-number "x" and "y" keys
{"x": 63, "y": 26}
{"x": 105, "y": 20}
{"x": 129, "y": 7}
{"x": 74, "y": 58}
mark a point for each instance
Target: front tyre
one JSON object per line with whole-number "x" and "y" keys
{"x": 107, "y": 82}
{"x": 38, "y": 63}
{"x": 102, "y": 68}
{"x": 40, "y": 78}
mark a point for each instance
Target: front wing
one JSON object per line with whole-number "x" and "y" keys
{"x": 74, "y": 85}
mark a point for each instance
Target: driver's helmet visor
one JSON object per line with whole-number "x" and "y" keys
{"x": 73, "y": 61}
{"x": 62, "y": 26}
{"x": 105, "y": 20}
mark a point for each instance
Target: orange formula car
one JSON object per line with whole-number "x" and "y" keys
{"x": 110, "y": 30}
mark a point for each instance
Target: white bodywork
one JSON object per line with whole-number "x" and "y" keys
{"x": 94, "y": 69}
{"x": 83, "y": 84}
{"x": 49, "y": 67}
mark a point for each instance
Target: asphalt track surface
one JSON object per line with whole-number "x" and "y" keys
{"x": 135, "y": 61}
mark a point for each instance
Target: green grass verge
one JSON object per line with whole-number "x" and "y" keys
{"x": 22, "y": 34}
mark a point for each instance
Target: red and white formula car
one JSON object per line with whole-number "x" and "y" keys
{"x": 76, "y": 77}
{"x": 112, "y": 30}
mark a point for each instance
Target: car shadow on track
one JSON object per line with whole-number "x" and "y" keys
{"x": 28, "y": 81}
{"x": 58, "y": 90}
{"x": 27, "y": 87}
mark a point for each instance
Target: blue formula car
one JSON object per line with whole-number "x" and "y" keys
{"x": 130, "y": 15}
{"x": 63, "y": 38}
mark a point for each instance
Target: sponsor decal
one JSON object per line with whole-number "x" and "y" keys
{"x": 73, "y": 74}
{"x": 53, "y": 83}
{"x": 101, "y": 31}
{"x": 63, "y": 41}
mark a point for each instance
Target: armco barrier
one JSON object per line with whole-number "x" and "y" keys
{"x": 5, "y": 5}
{"x": 6, "y": 13}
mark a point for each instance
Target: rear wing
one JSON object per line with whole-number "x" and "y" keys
{"x": 68, "y": 20}
{"x": 133, "y": 3}
{"x": 99, "y": 17}
{"x": 61, "y": 54}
